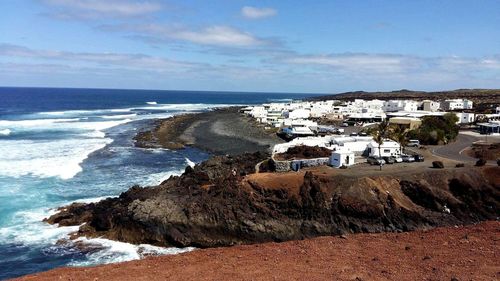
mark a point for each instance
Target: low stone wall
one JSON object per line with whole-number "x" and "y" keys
{"x": 282, "y": 166}
{"x": 312, "y": 162}
{"x": 287, "y": 165}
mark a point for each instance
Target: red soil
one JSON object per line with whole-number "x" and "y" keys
{"x": 455, "y": 253}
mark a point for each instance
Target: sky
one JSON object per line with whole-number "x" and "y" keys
{"x": 317, "y": 46}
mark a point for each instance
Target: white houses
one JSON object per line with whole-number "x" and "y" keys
{"x": 299, "y": 113}
{"x": 388, "y": 148}
{"x": 342, "y": 158}
{"x": 400, "y": 105}
{"x": 457, "y": 104}
{"x": 432, "y": 106}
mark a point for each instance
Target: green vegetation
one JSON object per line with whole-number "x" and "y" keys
{"x": 399, "y": 134}
{"x": 436, "y": 130}
{"x": 379, "y": 133}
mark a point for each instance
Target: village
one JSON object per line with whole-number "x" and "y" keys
{"x": 341, "y": 134}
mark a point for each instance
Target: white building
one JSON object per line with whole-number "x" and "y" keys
{"x": 400, "y": 105}
{"x": 455, "y": 104}
{"x": 465, "y": 117}
{"x": 342, "y": 158}
{"x": 432, "y": 106}
{"x": 299, "y": 113}
{"x": 388, "y": 148}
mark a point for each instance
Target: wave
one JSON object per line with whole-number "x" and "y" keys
{"x": 119, "y": 116}
{"x": 83, "y": 112}
{"x": 185, "y": 106}
{"x": 151, "y": 102}
{"x": 280, "y": 100}
{"x": 5, "y": 132}
{"x": 54, "y": 158}
{"x": 35, "y": 122}
{"x": 158, "y": 178}
{"x": 90, "y": 200}
{"x": 190, "y": 163}
{"x": 28, "y": 228}
{"x": 114, "y": 251}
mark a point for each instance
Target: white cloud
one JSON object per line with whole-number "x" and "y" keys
{"x": 308, "y": 73}
{"x": 386, "y": 63}
{"x": 216, "y": 35}
{"x": 257, "y": 13}
{"x": 94, "y": 8}
{"x": 102, "y": 60}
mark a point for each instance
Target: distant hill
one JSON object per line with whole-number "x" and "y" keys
{"x": 478, "y": 96}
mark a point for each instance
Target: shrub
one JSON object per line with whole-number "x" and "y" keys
{"x": 460, "y": 165}
{"x": 436, "y": 129}
{"x": 481, "y": 162}
{"x": 437, "y": 165}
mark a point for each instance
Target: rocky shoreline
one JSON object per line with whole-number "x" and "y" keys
{"x": 221, "y": 131}
{"x": 222, "y": 202}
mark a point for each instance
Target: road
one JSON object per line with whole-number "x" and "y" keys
{"x": 454, "y": 150}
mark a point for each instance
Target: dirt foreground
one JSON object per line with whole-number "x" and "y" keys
{"x": 453, "y": 253}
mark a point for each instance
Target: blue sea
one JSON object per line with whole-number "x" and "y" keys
{"x": 59, "y": 146}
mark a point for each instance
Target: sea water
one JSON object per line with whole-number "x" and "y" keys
{"x": 59, "y": 146}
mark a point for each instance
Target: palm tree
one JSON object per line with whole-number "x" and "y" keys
{"x": 379, "y": 133}
{"x": 400, "y": 135}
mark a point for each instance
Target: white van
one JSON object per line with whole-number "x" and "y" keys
{"x": 414, "y": 143}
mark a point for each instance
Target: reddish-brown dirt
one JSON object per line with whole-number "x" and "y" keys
{"x": 454, "y": 253}
{"x": 287, "y": 181}
{"x": 488, "y": 151}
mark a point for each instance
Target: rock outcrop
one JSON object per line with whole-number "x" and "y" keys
{"x": 216, "y": 203}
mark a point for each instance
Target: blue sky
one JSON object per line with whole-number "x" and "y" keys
{"x": 233, "y": 45}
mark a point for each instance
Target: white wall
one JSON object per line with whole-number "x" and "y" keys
{"x": 339, "y": 159}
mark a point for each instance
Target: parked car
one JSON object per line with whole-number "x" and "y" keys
{"x": 408, "y": 158}
{"x": 345, "y": 124}
{"x": 375, "y": 160}
{"x": 363, "y": 134}
{"x": 354, "y": 134}
{"x": 397, "y": 159}
{"x": 418, "y": 158}
{"x": 389, "y": 160}
{"x": 413, "y": 143}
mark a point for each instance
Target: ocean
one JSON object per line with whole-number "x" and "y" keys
{"x": 59, "y": 146}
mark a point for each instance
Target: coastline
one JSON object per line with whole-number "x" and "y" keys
{"x": 221, "y": 131}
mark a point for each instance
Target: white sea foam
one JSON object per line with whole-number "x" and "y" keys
{"x": 184, "y": 106}
{"x": 34, "y": 123}
{"x": 114, "y": 251}
{"x": 157, "y": 178}
{"x": 27, "y": 228}
{"x": 54, "y": 158}
{"x": 5, "y": 132}
{"x": 119, "y": 116}
{"x": 190, "y": 163}
{"x": 151, "y": 102}
{"x": 84, "y": 112}
{"x": 91, "y": 200}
